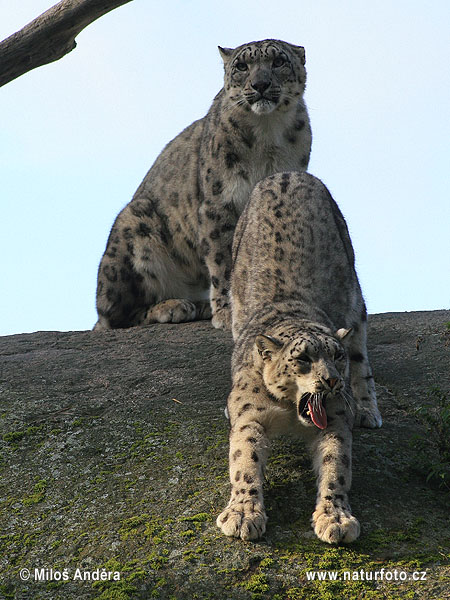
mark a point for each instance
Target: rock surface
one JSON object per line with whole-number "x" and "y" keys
{"x": 114, "y": 459}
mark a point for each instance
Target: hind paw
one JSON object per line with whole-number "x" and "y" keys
{"x": 171, "y": 311}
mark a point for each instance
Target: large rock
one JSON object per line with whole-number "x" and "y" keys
{"x": 114, "y": 457}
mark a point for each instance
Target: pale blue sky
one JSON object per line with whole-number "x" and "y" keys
{"x": 78, "y": 136}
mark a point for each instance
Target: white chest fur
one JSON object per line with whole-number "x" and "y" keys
{"x": 271, "y": 152}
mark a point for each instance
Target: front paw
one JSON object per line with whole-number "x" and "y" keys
{"x": 222, "y": 319}
{"x": 334, "y": 525}
{"x": 369, "y": 417}
{"x": 243, "y": 520}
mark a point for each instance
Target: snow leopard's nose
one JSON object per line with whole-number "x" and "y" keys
{"x": 332, "y": 382}
{"x": 327, "y": 383}
{"x": 261, "y": 86}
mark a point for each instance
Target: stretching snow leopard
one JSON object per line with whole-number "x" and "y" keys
{"x": 168, "y": 256}
{"x": 299, "y": 324}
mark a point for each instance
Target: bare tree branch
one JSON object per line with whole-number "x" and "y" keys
{"x": 49, "y": 37}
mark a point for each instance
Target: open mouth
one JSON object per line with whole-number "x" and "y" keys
{"x": 311, "y": 408}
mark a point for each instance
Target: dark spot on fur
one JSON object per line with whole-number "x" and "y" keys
{"x": 110, "y": 272}
{"x": 254, "y": 457}
{"x": 256, "y": 390}
{"x": 252, "y": 440}
{"x": 327, "y": 458}
{"x": 299, "y": 124}
{"x": 246, "y": 407}
{"x": 127, "y": 233}
{"x": 248, "y": 137}
{"x": 137, "y": 209}
{"x": 217, "y": 188}
{"x": 341, "y": 479}
{"x": 237, "y": 454}
{"x": 345, "y": 460}
{"x": 231, "y": 159}
{"x": 285, "y": 182}
{"x": 143, "y": 230}
{"x": 279, "y": 254}
{"x": 237, "y": 476}
{"x": 253, "y": 492}
{"x": 248, "y": 478}
{"x": 205, "y": 247}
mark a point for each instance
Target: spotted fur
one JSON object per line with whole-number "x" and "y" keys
{"x": 168, "y": 256}
{"x": 300, "y": 362}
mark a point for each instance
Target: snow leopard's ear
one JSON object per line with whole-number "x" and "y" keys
{"x": 343, "y": 333}
{"x": 225, "y": 53}
{"x": 300, "y": 52}
{"x": 267, "y": 346}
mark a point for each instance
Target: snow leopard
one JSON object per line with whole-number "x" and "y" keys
{"x": 299, "y": 363}
{"x": 168, "y": 256}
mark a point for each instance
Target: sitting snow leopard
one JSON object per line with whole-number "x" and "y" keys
{"x": 168, "y": 256}
{"x": 299, "y": 326}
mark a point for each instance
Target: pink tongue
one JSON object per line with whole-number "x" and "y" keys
{"x": 318, "y": 415}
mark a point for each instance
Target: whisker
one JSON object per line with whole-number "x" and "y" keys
{"x": 347, "y": 397}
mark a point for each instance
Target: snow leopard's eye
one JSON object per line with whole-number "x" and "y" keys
{"x": 241, "y": 66}
{"x": 339, "y": 355}
{"x": 278, "y": 61}
{"x": 304, "y": 358}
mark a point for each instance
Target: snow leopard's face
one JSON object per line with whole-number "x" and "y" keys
{"x": 305, "y": 370}
{"x": 264, "y": 76}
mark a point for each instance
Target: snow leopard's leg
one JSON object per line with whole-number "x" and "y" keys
{"x": 245, "y": 516}
{"x": 331, "y": 451}
{"x": 216, "y": 233}
{"x": 361, "y": 379}
{"x": 141, "y": 282}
